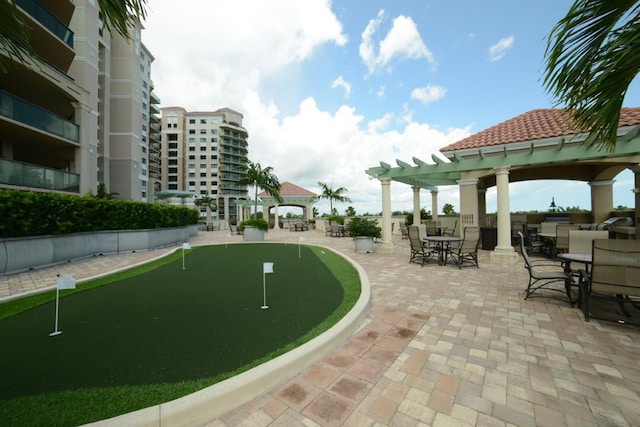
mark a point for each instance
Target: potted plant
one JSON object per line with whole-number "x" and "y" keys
{"x": 364, "y": 231}
{"x": 253, "y": 229}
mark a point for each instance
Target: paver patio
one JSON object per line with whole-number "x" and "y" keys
{"x": 442, "y": 347}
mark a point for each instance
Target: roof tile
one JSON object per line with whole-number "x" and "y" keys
{"x": 533, "y": 125}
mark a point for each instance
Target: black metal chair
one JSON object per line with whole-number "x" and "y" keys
{"x": 542, "y": 274}
{"x": 614, "y": 275}
{"x": 465, "y": 251}
{"x": 419, "y": 253}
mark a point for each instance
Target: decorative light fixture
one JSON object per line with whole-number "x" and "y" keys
{"x": 552, "y": 206}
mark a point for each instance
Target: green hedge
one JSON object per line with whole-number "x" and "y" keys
{"x": 25, "y": 213}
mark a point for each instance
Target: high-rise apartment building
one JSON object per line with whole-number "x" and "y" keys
{"x": 205, "y": 153}
{"x": 84, "y": 113}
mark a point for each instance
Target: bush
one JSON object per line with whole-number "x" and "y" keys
{"x": 26, "y": 213}
{"x": 260, "y": 224}
{"x": 360, "y": 226}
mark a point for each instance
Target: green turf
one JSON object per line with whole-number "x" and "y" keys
{"x": 156, "y": 336}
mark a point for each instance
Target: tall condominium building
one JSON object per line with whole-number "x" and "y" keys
{"x": 205, "y": 152}
{"x": 83, "y": 113}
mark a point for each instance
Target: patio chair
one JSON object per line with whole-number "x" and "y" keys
{"x": 467, "y": 250}
{"x": 405, "y": 231}
{"x": 431, "y": 228}
{"x": 615, "y": 274}
{"x": 562, "y": 237}
{"x": 451, "y": 232}
{"x": 420, "y": 254}
{"x": 542, "y": 274}
{"x": 533, "y": 244}
{"x": 581, "y": 241}
{"x": 327, "y": 227}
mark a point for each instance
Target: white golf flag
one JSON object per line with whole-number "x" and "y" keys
{"x": 267, "y": 267}
{"x": 301, "y": 239}
{"x": 186, "y": 246}
{"x": 65, "y": 282}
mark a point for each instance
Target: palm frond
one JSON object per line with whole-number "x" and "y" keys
{"x": 592, "y": 56}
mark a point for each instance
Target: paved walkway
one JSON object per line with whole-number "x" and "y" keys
{"x": 443, "y": 347}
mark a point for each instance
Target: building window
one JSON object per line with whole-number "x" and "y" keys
{"x": 173, "y": 162}
{"x": 192, "y": 157}
{"x": 203, "y": 182}
{"x": 172, "y": 137}
{"x": 203, "y": 141}
{"x": 192, "y": 183}
{"x": 192, "y": 148}
{"x": 173, "y": 145}
{"x": 192, "y": 121}
{"x": 192, "y": 131}
{"x": 203, "y": 174}
{"x": 203, "y": 148}
{"x": 173, "y": 154}
{"x": 203, "y": 121}
{"x": 192, "y": 140}
{"x": 203, "y": 131}
{"x": 203, "y": 157}
{"x": 214, "y": 139}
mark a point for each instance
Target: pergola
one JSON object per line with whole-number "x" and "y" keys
{"x": 540, "y": 144}
{"x": 292, "y": 195}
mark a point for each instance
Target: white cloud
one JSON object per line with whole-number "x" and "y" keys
{"x": 213, "y": 58}
{"x": 403, "y": 40}
{"x": 341, "y": 82}
{"x": 428, "y": 94}
{"x": 498, "y": 50}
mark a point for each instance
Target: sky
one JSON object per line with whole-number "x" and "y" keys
{"x": 329, "y": 89}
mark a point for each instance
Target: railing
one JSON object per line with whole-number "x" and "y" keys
{"x": 28, "y": 175}
{"x": 32, "y": 115}
{"x": 48, "y": 20}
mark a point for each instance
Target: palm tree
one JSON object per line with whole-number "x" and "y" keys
{"x": 329, "y": 193}
{"x": 592, "y": 56}
{"x": 264, "y": 179}
{"x": 208, "y": 202}
{"x": 118, "y": 15}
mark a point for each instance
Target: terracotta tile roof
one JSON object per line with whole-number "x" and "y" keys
{"x": 288, "y": 189}
{"x": 530, "y": 126}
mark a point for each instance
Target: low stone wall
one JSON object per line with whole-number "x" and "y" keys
{"x": 24, "y": 253}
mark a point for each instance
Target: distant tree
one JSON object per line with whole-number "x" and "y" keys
{"x": 329, "y": 193}
{"x": 448, "y": 209}
{"x": 350, "y": 211}
{"x": 261, "y": 178}
{"x": 622, "y": 208}
{"x": 208, "y": 202}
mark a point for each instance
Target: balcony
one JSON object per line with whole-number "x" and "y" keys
{"x": 58, "y": 50}
{"x": 29, "y": 114}
{"x": 27, "y": 175}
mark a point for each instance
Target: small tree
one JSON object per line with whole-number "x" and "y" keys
{"x": 448, "y": 209}
{"x": 329, "y": 193}
{"x": 264, "y": 179}
{"x": 208, "y": 202}
{"x": 350, "y": 211}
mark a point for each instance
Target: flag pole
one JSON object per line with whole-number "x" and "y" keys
{"x": 56, "y": 331}
{"x": 264, "y": 291}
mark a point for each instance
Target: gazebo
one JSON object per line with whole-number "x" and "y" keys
{"x": 540, "y": 144}
{"x": 292, "y": 195}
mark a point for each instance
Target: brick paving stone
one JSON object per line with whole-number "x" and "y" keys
{"x": 442, "y": 347}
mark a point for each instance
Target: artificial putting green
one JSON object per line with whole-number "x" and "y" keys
{"x": 169, "y": 325}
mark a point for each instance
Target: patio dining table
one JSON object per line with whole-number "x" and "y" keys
{"x": 442, "y": 245}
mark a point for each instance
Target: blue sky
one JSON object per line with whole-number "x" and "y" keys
{"x": 329, "y": 89}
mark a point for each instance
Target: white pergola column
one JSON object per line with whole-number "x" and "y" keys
{"x": 276, "y": 225}
{"x": 636, "y": 191}
{"x": 601, "y": 199}
{"x": 468, "y": 202}
{"x": 416, "y": 205}
{"x": 387, "y": 243}
{"x": 504, "y": 250}
{"x": 434, "y": 204}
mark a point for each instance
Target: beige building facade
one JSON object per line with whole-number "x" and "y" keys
{"x": 82, "y": 115}
{"x": 204, "y": 152}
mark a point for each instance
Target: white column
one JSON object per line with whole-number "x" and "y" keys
{"x": 416, "y": 205}
{"x": 276, "y": 226}
{"x": 468, "y": 202}
{"x": 387, "y": 242}
{"x": 601, "y": 199}
{"x": 434, "y": 204}
{"x": 504, "y": 250}
{"x": 636, "y": 190}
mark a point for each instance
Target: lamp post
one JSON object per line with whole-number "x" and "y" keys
{"x": 552, "y": 206}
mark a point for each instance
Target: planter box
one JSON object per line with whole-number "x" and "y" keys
{"x": 364, "y": 244}
{"x": 24, "y": 253}
{"x": 253, "y": 234}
